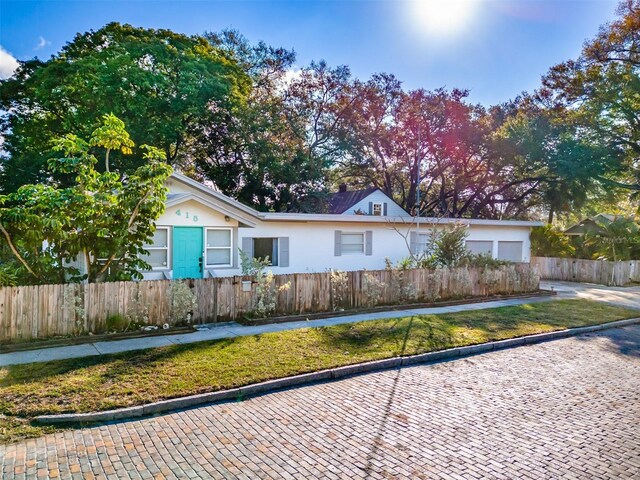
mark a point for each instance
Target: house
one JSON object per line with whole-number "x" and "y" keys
{"x": 593, "y": 224}
{"x": 202, "y": 230}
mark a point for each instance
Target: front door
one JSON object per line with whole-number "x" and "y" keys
{"x": 187, "y": 252}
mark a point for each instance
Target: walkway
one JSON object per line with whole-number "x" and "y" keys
{"x": 566, "y": 409}
{"x": 230, "y": 330}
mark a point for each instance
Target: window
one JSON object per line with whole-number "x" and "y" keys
{"x": 377, "y": 210}
{"x": 266, "y": 248}
{"x": 420, "y": 243}
{"x": 352, "y": 243}
{"x": 218, "y": 247}
{"x": 478, "y": 247}
{"x": 510, "y": 251}
{"x": 158, "y": 249}
{"x": 423, "y": 243}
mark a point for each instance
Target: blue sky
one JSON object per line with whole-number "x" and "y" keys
{"x": 501, "y": 49}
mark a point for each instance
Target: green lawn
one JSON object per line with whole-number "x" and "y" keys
{"x": 134, "y": 378}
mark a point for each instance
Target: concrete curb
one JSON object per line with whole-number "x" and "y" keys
{"x": 323, "y": 375}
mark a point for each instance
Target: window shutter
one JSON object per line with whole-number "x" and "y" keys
{"x": 370, "y": 208}
{"x": 384, "y": 209}
{"x": 337, "y": 248}
{"x": 413, "y": 242}
{"x": 234, "y": 251}
{"x": 368, "y": 242}
{"x": 284, "y": 251}
{"x": 247, "y": 246}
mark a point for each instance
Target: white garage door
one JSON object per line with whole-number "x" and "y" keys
{"x": 510, "y": 251}
{"x": 480, "y": 246}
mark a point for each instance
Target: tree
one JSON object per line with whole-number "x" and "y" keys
{"x": 163, "y": 85}
{"x": 563, "y": 163}
{"x": 599, "y": 93}
{"x": 433, "y": 143}
{"x": 255, "y": 153}
{"x": 104, "y": 218}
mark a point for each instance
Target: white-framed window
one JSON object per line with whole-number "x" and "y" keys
{"x": 266, "y": 248}
{"x": 218, "y": 247}
{"x": 352, "y": 243}
{"x": 377, "y": 209}
{"x": 423, "y": 243}
{"x": 158, "y": 249}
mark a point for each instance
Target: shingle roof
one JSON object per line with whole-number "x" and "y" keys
{"x": 340, "y": 202}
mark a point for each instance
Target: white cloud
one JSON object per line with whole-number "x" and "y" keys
{"x": 42, "y": 42}
{"x": 8, "y": 64}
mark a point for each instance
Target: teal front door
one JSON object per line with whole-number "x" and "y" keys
{"x": 187, "y": 252}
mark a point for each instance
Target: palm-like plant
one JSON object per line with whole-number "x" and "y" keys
{"x": 617, "y": 239}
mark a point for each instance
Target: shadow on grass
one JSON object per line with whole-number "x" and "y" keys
{"x": 114, "y": 363}
{"x": 138, "y": 377}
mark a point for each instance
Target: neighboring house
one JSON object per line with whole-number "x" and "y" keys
{"x": 371, "y": 201}
{"x": 201, "y": 231}
{"x": 593, "y": 224}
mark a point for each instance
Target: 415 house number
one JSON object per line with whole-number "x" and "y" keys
{"x": 187, "y": 215}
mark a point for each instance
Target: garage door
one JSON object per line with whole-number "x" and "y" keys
{"x": 480, "y": 246}
{"x": 510, "y": 251}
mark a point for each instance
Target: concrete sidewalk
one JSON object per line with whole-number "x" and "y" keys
{"x": 230, "y": 330}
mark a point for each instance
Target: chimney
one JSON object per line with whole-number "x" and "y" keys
{"x": 342, "y": 187}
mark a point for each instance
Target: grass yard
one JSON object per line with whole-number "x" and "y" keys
{"x": 134, "y": 378}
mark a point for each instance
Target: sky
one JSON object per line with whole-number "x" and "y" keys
{"x": 494, "y": 48}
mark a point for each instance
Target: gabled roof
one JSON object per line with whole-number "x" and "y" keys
{"x": 178, "y": 198}
{"x": 593, "y": 224}
{"x": 340, "y": 202}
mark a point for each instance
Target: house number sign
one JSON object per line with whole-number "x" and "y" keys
{"x": 187, "y": 215}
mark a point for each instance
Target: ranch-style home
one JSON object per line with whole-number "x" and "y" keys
{"x": 202, "y": 230}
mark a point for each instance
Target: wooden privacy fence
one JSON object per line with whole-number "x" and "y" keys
{"x": 42, "y": 311}
{"x": 588, "y": 271}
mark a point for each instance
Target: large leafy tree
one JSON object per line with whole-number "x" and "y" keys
{"x": 259, "y": 153}
{"x": 599, "y": 93}
{"x": 562, "y": 163}
{"x": 433, "y": 146}
{"x": 104, "y": 218}
{"x": 163, "y": 85}
{"x": 252, "y": 152}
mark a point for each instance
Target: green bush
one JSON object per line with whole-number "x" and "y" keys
{"x": 449, "y": 247}
{"x": 116, "y": 323}
{"x": 483, "y": 260}
{"x": 549, "y": 241}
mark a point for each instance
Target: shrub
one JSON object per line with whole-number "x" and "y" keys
{"x": 483, "y": 260}
{"x": 116, "y": 323}
{"x": 449, "y": 246}
{"x": 266, "y": 291}
{"x": 183, "y": 303}
{"x": 548, "y": 241}
{"x": 339, "y": 289}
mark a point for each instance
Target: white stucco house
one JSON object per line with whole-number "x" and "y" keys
{"x": 201, "y": 232}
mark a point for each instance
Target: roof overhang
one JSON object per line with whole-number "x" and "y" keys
{"x": 180, "y": 198}
{"x": 220, "y": 198}
{"x": 334, "y": 218}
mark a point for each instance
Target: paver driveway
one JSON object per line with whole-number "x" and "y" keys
{"x": 563, "y": 409}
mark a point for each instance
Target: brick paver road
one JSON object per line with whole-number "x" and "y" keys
{"x": 563, "y": 409}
